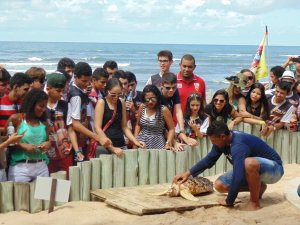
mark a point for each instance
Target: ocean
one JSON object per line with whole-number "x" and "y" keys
{"x": 214, "y": 62}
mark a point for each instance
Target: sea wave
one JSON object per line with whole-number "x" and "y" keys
{"x": 229, "y": 55}
{"x": 101, "y": 64}
{"x": 35, "y": 59}
{"x": 13, "y": 71}
{"x": 92, "y": 58}
{"x": 289, "y": 55}
{"x": 18, "y": 64}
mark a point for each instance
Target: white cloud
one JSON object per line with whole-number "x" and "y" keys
{"x": 112, "y": 8}
{"x": 3, "y": 19}
{"x": 188, "y": 7}
{"x": 226, "y": 2}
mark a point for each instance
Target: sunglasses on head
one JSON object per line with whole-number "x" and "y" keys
{"x": 219, "y": 100}
{"x": 193, "y": 95}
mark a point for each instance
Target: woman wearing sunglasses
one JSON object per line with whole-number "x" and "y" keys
{"x": 251, "y": 80}
{"x": 153, "y": 119}
{"x": 220, "y": 109}
{"x": 110, "y": 120}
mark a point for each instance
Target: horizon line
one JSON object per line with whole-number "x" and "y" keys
{"x": 92, "y": 42}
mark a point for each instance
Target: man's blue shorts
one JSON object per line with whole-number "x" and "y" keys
{"x": 270, "y": 172}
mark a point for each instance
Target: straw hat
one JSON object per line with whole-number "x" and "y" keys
{"x": 239, "y": 80}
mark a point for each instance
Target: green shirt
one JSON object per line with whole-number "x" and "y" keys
{"x": 34, "y": 135}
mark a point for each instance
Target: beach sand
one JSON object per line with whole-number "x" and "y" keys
{"x": 275, "y": 210}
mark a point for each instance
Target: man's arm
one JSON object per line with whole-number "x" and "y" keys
{"x": 207, "y": 162}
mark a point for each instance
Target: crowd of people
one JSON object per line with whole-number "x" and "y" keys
{"x": 75, "y": 113}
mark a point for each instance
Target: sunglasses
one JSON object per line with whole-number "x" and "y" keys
{"x": 114, "y": 94}
{"x": 169, "y": 88}
{"x": 219, "y": 100}
{"x": 163, "y": 60}
{"x": 153, "y": 99}
{"x": 250, "y": 78}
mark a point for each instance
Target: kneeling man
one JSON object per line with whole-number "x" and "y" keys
{"x": 255, "y": 164}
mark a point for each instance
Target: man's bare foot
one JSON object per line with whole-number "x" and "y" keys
{"x": 263, "y": 188}
{"x": 251, "y": 206}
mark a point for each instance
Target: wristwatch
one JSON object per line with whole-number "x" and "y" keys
{"x": 167, "y": 142}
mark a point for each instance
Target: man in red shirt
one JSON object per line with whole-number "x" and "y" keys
{"x": 10, "y": 104}
{"x": 188, "y": 82}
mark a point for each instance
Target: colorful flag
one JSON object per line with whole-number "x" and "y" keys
{"x": 259, "y": 65}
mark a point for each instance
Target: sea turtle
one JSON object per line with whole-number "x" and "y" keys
{"x": 188, "y": 189}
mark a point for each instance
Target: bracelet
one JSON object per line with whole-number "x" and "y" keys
{"x": 262, "y": 122}
{"x": 76, "y": 153}
{"x": 181, "y": 132}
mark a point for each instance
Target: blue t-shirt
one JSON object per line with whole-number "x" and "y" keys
{"x": 242, "y": 146}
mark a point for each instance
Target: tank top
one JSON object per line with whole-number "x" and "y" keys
{"x": 34, "y": 135}
{"x": 114, "y": 132}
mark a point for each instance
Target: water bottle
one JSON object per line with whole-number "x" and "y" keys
{"x": 292, "y": 67}
{"x": 128, "y": 99}
{"x": 10, "y": 130}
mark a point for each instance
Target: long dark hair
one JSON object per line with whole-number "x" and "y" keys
{"x": 152, "y": 88}
{"x": 226, "y": 107}
{"x": 31, "y": 99}
{"x": 263, "y": 101}
{"x": 188, "y": 111}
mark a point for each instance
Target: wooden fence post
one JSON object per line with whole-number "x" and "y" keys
{"x": 153, "y": 166}
{"x": 22, "y": 196}
{"x": 131, "y": 168}
{"x": 143, "y": 162}
{"x": 106, "y": 171}
{"x": 74, "y": 177}
{"x": 6, "y": 196}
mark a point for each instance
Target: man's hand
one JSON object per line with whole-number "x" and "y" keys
{"x": 181, "y": 178}
{"x": 130, "y": 105}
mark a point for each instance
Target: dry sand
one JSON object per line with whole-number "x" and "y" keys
{"x": 275, "y": 210}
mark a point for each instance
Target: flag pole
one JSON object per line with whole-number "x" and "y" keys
{"x": 267, "y": 52}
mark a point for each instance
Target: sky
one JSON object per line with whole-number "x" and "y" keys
{"x": 240, "y": 22}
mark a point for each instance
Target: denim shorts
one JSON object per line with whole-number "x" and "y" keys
{"x": 270, "y": 172}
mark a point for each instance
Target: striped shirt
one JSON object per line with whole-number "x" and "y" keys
{"x": 7, "y": 108}
{"x": 152, "y": 129}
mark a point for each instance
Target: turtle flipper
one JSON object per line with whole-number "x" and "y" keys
{"x": 160, "y": 193}
{"x": 187, "y": 195}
